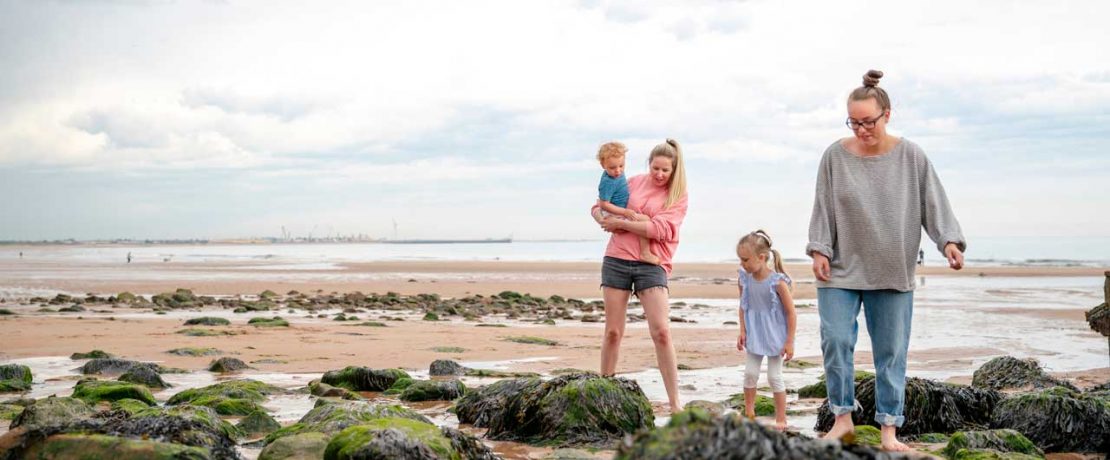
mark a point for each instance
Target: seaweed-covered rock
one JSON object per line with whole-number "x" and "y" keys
{"x": 9, "y": 411}
{"x": 401, "y": 438}
{"x": 93, "y": 391}
{"x": 696, "y": 434}
{"x": 363, "y": 378}
{"x": 323, "y": 390}
{"x": 195, "y": 351}
{"x": 17, "y": 375}
{"x": 130, "y": 406}
{"x": 81, "y": 446}
{"x": 570, "y": 409}
{"x": 113, "y": 366}
{"x": 258, "y": 423}
{"x": 204, "y": 415}
{"x": 226, "y": 364}
{"x": 481, "y": 406}
{"x": 207, "y": 321}
{"x": 433, "y": 390}
{"x": 990, "y": 454}
{"x": 276, "y": 321}
{"x": 52, "y": 411}
{"x": 998, "y": 440}
{"x": 710, "y": 407}
{"x": 930, "y": 407}
{"x": 821, "y": 390}
{"x": 234, "y": 397}
{"x": 399, "y": 386}
{"x": 446, "y": 367}
{"x": 330, "y": 418}
{"x": 91, "y": 355}
{"x": 1008, "y": 372}
{"x": 303, "y": 446}
{"x": 144, "y": 375}
{"x": 764, "y": 406}
{"x": 1057, "y": 420}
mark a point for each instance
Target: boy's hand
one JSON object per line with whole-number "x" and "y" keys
{"x": 741, "y": 341}
{"x": 629, "y": 214}
{"x": 788, "y": 351}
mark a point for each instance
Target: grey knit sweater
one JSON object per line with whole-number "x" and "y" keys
{"x": 868, "y": 213}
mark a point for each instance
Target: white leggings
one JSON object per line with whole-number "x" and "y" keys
{"x": 774, "y": 372}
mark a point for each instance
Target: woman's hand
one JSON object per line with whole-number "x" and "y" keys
{"x": 821, "y": 266}
{"x": 613, "y": 224}
{"x": 741, "y": 340}
{"x": 788, "y": 351}
{"x": 954, "y": 255}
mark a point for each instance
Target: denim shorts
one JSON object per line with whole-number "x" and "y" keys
{"x": 631, "y": 275}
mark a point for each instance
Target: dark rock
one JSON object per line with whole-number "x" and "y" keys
{"x": 930, "y": 407}
{"x": 323, "y": 390}
{"x": 820, "y": 390}
{"x": 113, "y": 366}
{"x": 92, "y": 355}
{"x": 1057, "y": 420}
{"x": 304, "y": 446}
{"x": 276, "y": 321}
{"x": 569, "y": 409}
{"x": 710, "y": 407}
{"x": 1007, "y": 372}
{"x": 696, "y": 434}
{"x": 16, "y": 372}
{"x": 363, "y": 378}
{"x": 113, "y": 447}
{"x": 446, "y": 367}
{"x": 144, "y": 375}
{"x": 433, "y": 390}
{"x": 93, "y": 391}
{"x": 258, "y": 423}
{"x": 225, "y": 364}
{"x": 195, "y": 351}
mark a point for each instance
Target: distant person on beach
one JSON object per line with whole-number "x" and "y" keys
{"x": 659, "y": 195}
{"x": 612, "y": 193}
{"x": 129, "y": 257}
{"x": 767, "y": 320}
{"x": 921, "y": 257}
{"x": 874, "y": 193}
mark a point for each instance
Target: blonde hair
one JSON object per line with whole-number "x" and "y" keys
{"x": 610, "y": 150}
{"x": 760, "y": 242}
{"x": 871, "y": 90}
{"x": 676, "y": 185}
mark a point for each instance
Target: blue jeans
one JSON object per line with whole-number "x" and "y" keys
{"x": 888, "y": 314}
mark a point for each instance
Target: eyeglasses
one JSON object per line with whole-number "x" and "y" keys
{"x": 867, "y": 124}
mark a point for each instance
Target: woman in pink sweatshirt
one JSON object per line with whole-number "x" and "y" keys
{"x": 659, "y": 199}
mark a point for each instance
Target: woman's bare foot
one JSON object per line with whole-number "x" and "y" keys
{"x": 842, "y": 426}
{"x": 890, "y": 440}
{"x": 750, "y": 415}
{"x": 649, "y": 258}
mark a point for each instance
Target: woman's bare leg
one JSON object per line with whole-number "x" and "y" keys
{"x": 616, "y": 308}
{"x": 657, "y": 310}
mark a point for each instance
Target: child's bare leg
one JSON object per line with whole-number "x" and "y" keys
{"x": 749, "y": 403}
{"x": 780, "y": 410}
{"x": 645, "y": 252}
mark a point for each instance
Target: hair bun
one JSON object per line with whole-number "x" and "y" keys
{"x": 871, "y": 78}
{"x": 672, "y": 142}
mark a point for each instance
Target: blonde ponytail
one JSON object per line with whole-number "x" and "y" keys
{"x": 676, "y": 187}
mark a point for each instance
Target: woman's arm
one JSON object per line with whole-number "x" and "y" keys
{"x": 822, "y": 223}
{"x": 938, "y": 219}
{"x": 783, "y": 290}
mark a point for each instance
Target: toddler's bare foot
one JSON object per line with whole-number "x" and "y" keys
{"x": 842, "y": 426}
{"x": 890, "y": 441}
{"x": 648, "y": 257}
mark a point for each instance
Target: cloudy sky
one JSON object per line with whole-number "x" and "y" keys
{"x": 216, "y": 119}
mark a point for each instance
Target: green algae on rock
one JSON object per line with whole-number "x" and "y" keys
{"x": 93, "y": 391}
{"x": 997, "y": 440}
{"x": 404, "y": 438}
{"x": 52, "y": 411}
{"x": 1007, "y": 372}
{"x": 356, "y": 378}
{"x": 207, "y": 321}
{"x": 1057, "y": 420}
{"x": 332, "y": 417}
{"x": 99, "y": 446}
{"x": 303, "y": 446}
{"x": 433, "y": 390}
{"x": 91, "y": 355}
{"x": 234, "y": 397}
{"x": 930, "y": 407}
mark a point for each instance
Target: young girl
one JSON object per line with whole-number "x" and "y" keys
{"x": 767, "y": 320}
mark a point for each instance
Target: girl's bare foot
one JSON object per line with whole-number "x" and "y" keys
{"x": 780, "y": 425}
{"x": 750, "y": 415}
{"x": 649, "y": 258}
{"x": 842, "y": 426}
{"x": 890, "y": 441}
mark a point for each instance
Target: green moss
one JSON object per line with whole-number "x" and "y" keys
{"x": 345, "y": 444}
{"x": 933, "y": 438}
{"x": 997, "y": 440}
{"x": 13, "y": 385}
{"x": 258, "y": 423}
{"x": 204, "y": 415}
{"x": 93, "y": 391}
{"x": 399, "y": 386}
{"x": 448, "y": 349}
{"x": 126, "y": 297}
{"x": 330, "y": 418}
{"x": 195, "y": 351}
{"x": 819, "y": 390}
{"x": 532, "y": 340}
{"x": 431, "y": 317}
{"x": 98, "y": 446}
{"x": 372, "y": 324}
{"x": 304, "y": 445}
{"x": 5, "y": 312}
{"x": 207, "y": 321}
{"x": 131, "y": 406}
{"x": 201, "y": 332}
{"x": 764, "y": 406}
{"x": 235, "y": 397}
{"x": 867, "y": 435}
{"x": 987, "y": 454}
{"x": 276, "y": 321}
{"x": 433, "y": 390}
{"x": 9, "y": 411}
{"x": 356, "y": 378}
{"x": 16, "y": 372}
{"x": 497, "y": 374}
{"x": 491, "y": 325}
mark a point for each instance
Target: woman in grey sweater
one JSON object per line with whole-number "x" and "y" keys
{"x": 874, "y": 194}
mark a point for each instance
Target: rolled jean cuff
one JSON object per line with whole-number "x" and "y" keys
{"x": 841, "y": 410}
{"x": 888, "y": 420}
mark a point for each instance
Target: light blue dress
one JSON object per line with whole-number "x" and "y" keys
{"x": 764, "y": 318}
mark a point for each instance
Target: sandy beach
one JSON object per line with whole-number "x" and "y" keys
{"x": 954, "y": 308}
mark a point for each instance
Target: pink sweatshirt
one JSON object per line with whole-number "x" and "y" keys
{"x": 647, "y": 198}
